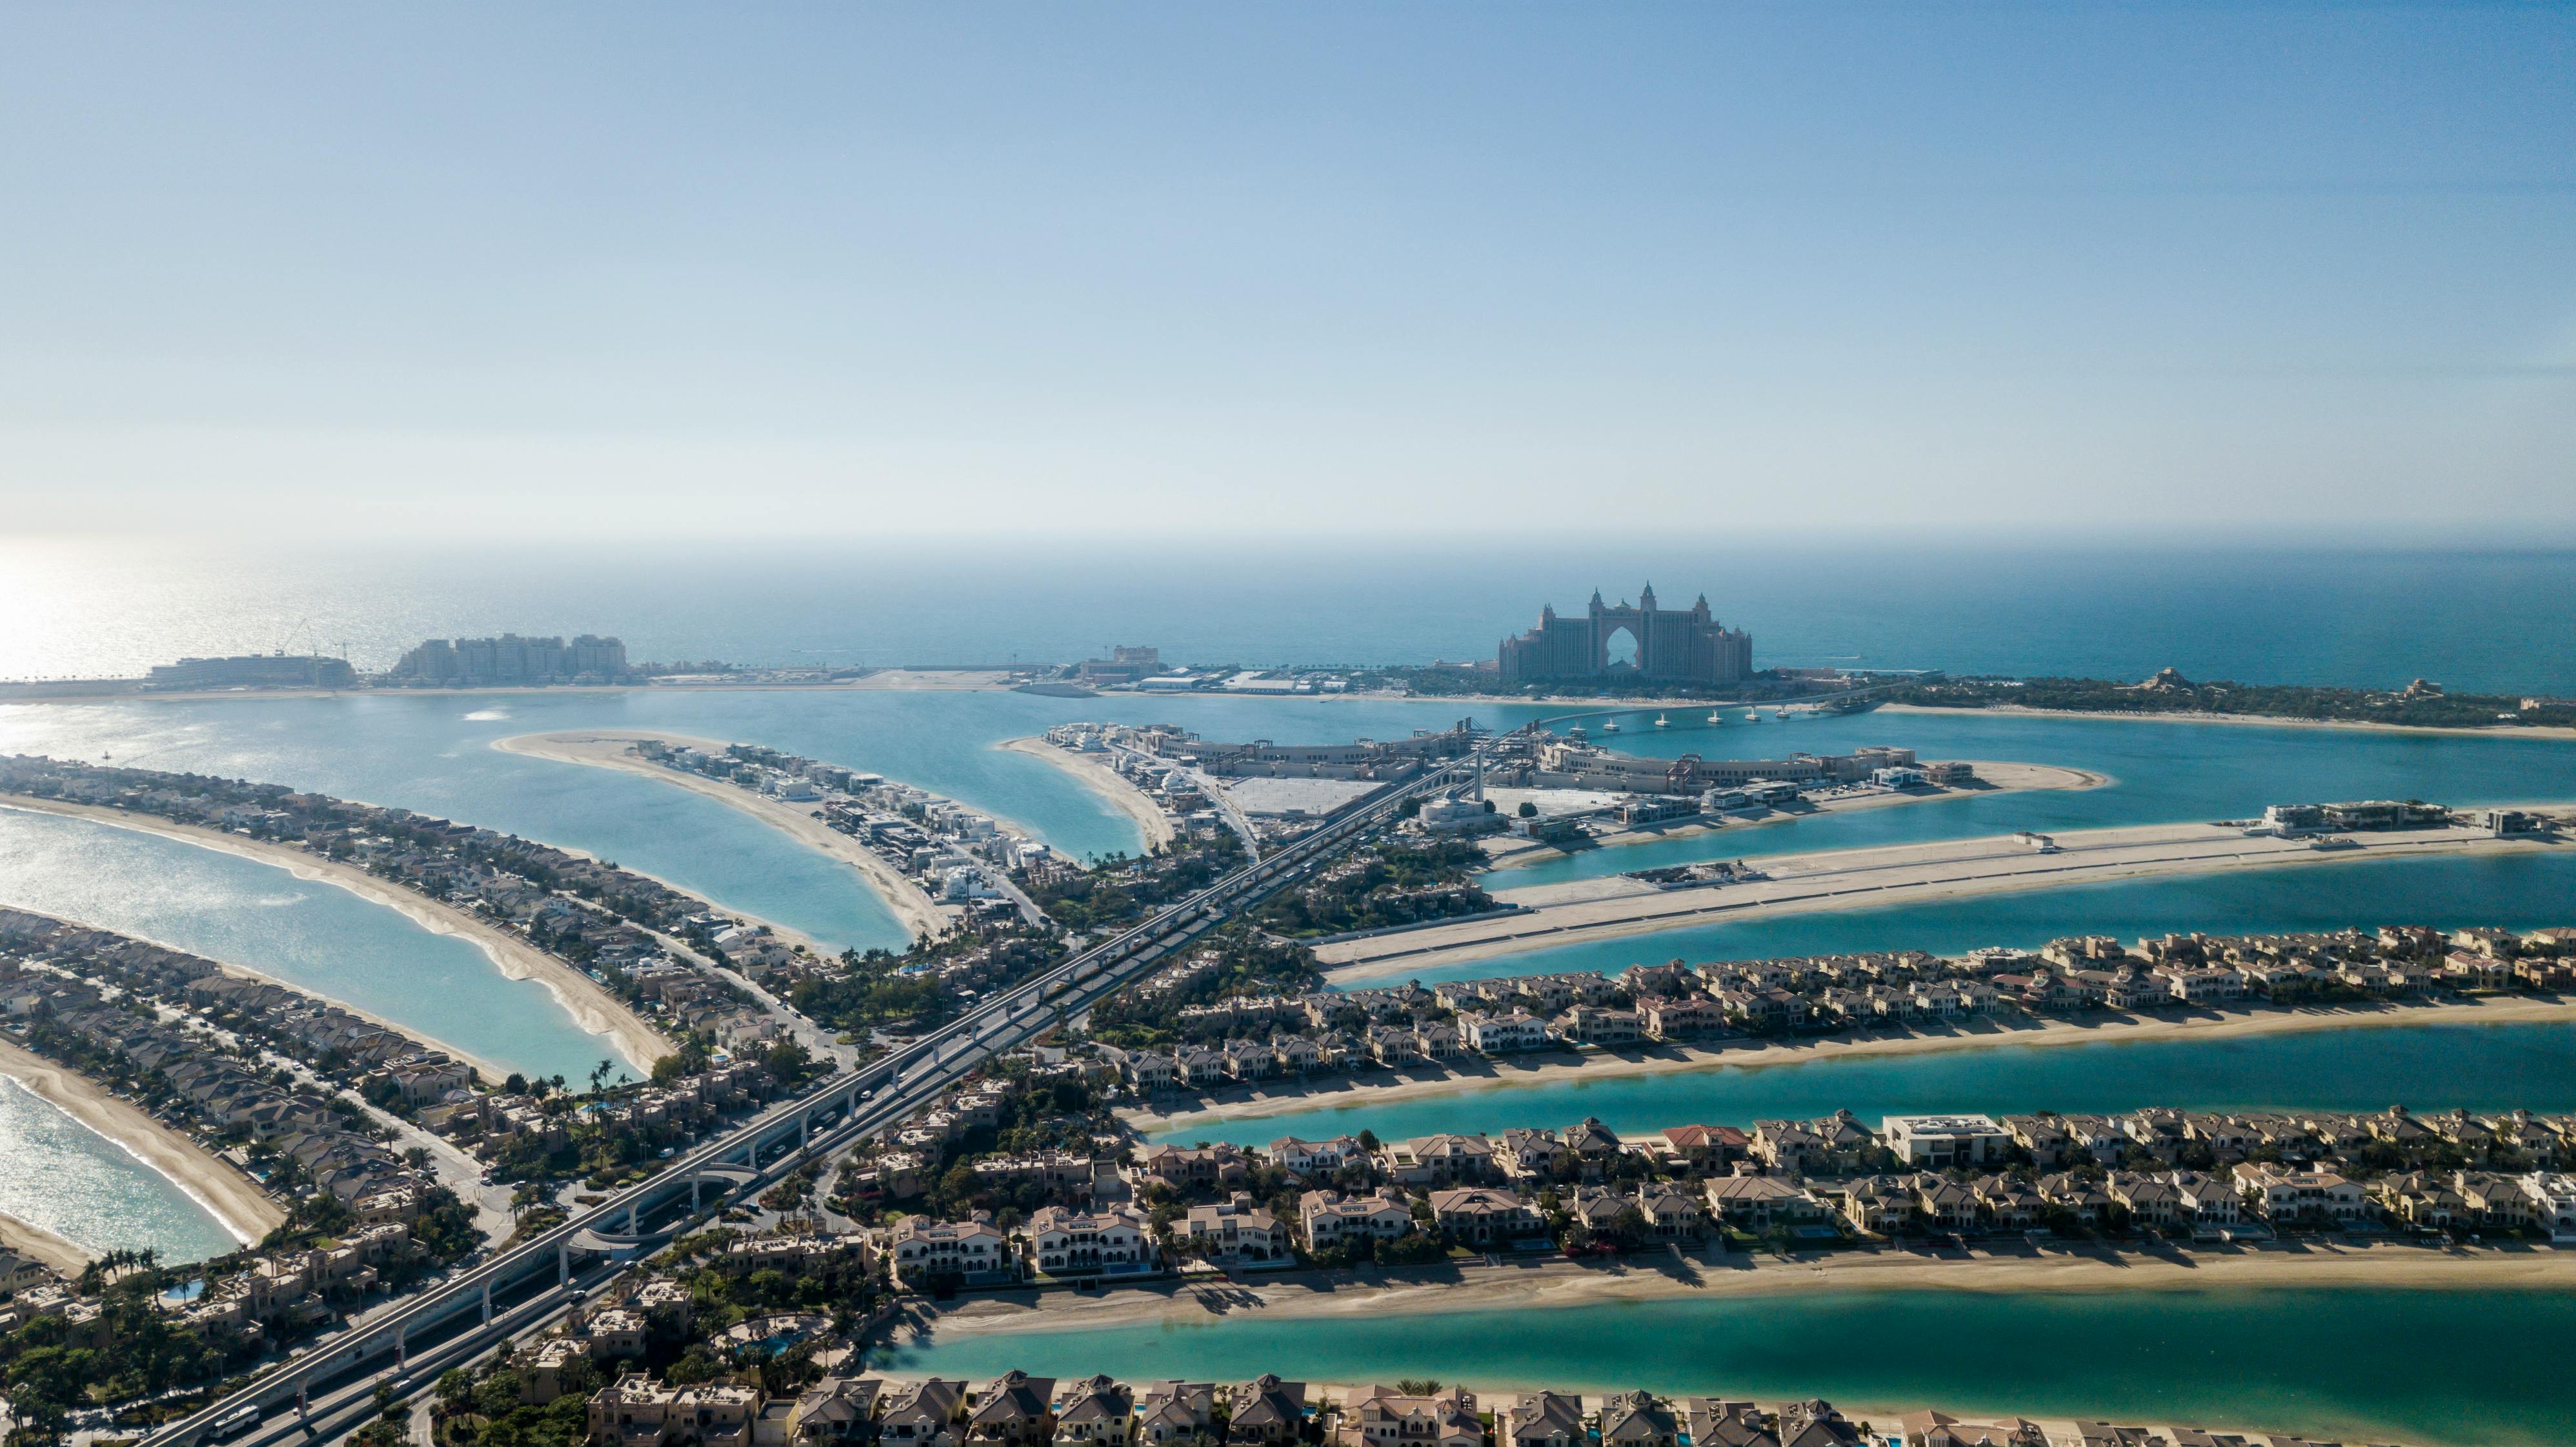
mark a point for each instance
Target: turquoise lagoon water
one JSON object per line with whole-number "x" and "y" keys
{"x": 431, "y": 753}
{"x": 2515, "y": 890}
{"x": 2162, "y": 773}
{"x": 317, "y": 936}
{"x": 2426, "y": 1067}
{"x": 63, "y": 1176}
{"x": 2453, "y": 1368}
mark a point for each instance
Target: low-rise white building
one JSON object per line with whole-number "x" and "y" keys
{"x": 921, "y": 1249}
{"x": 1939, "y": 1142}
{"x": 1109, "y": 1242}
{"x": 1500, "y": 1034}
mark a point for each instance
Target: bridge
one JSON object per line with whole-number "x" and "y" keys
{"x": 328, "y": 1387}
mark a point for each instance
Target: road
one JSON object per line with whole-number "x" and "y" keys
{"x": 1235, "y": 818}
{"x": 523, "y": 1286}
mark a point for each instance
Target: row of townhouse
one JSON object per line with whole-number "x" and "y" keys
{"x": 2532, "y": 1201}
{"x": 1012, "y": 1410}
{"x": 298, "y": 1288}
{"x": 297, "y": 1024}
{"x": 312, "y": 1029}
{"x": 684, "y": 1105}
{"x": 1020, "y": 1410}
{"x": 2167, "y": 1135}
{"x": 1839, "y": 1145}
{"x": 579, "y": 908}
{"x": 1055, "y": 1243}
{"x": 1829, "y": 1169}
{"x": 1674, "y": 1001}
{"x": 225, "y": 1098}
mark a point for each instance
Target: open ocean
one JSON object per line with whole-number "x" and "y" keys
{"x": 2473, "y": 620}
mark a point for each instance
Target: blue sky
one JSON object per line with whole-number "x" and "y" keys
{"x": 1454, "y": 270}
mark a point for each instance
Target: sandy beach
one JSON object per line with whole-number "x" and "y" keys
{"x": 1992, "y": 777}
{"x": 1112, "y": 787}
{"x": 1542, "y": 1283}
{"x": 587, "y": 1001}
{"x": 36, "y": 1243}
{"x": 608, "y": 749}
{"x": 233, "y": 1199}
{"x": 2508, "y": 731}
{"x": 2008, "y": 1031}
{"x": 994, "y": 681}
{"x": 1611, "y": 906}
{"x": 491, "y": 1071}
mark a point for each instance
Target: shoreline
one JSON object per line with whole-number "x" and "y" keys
{"x": 1556, "y": 1068}
{"x": 1543, "y": 1284}
{"x": 591, "y": 1006}
{"x": 1523, "y": 1287}
{"x": 34, "y": 1242}
{"x": 491, "y": 1071}
{"x": 1995, "y": 777}
{"x": 234, "y": 1201}
{"x": 606, "y": 749}
{"x": 909, "y": 681}
{"x": 1111, "y": 787}
{"x": 2350, "y": 725}
{"x": 1611, "y": 907}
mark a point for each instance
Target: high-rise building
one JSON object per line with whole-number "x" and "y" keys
{"x": 509, "y": 659}
{"x": 1639, "y": 640}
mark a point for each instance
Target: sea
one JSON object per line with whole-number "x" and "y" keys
{"x": 2338, "y": 1361}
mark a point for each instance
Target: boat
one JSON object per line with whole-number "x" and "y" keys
{"x": 1799, "y": 710}
{"x": 1662, "y": 722}
{"x": 1753, "y": 715}
{"x": 1610, "y": 726}
{"x": 1716, "y": 717}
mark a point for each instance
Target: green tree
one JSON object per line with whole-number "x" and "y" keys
{"x": 498, "y": 1394}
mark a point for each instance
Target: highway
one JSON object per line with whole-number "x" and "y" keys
{"x": 328, "y": 1388}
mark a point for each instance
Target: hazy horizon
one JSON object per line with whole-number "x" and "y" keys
{"x": 291, "y": 274}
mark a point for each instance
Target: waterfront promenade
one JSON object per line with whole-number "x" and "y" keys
{"x": 1574, "y": 910}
